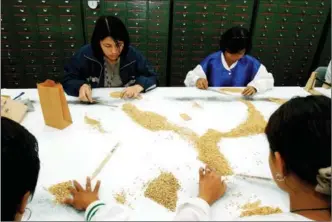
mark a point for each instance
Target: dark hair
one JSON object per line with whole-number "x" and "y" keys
{"x": 300, "y": 130}
{"x": 109, "y": 26}
{"x": 236, "y": 39}
{"x": 19, "y": 166}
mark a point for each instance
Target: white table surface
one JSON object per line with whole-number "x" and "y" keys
{"x": 74, "y": 153}
{"x": 323, "y": 91}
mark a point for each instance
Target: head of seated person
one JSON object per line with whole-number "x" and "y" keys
{"x": 19, "y": 169}
{"x": 299, "y": 135}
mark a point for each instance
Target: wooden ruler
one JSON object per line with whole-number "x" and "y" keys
{"x": 103, "y": 163}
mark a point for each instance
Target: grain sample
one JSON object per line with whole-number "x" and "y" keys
{"x": 248, "y": 206}
{"x": 94, "y": 123}
{"x": 196, "y": 105}
{"x": 278, "y": 100}
{"x": 163, "y": 190}
{"x": 254, "y": 124}
{"x": 265, "y": 210}
{"x": 61, "y": 191}
{"x": 120, "y": 197}
{"x": 116, "y": 95}
{"x": 231, "y": 89}
{"x": 208, "y": 152}
{"x": 185, "y": 117}
{"x": 149, "y": 120}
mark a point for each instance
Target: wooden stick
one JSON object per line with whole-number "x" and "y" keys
{"x": 103, "y": 163}
{"x": 254, "y": 177}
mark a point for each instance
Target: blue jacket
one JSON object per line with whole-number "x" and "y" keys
{"x": 84, "y": 67}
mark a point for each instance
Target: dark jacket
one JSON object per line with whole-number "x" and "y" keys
{"x": 84, "y": 67}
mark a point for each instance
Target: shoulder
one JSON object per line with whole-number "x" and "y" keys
{"x": 133, "y": 53}
{"x": 85, "y": 50}
{"x": 213, "y": 56}
{"x": 250, "y": 59}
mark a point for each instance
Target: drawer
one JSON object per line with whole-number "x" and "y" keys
{"x": 48, "y": 10}
{"x": 68, "y": 53}
{"x": 142, "y": 23}
{"x": 70, "y": 28}
{"x": 241, "y": 18}
{"x": 7, "y": 37}
{"x": 9, "y": 52}
{"x": 91, "y": 21}
{"x": 51, "y": 37}
{"x": 120, "y": 14}
{"x": 26, "y": 20}
{"x": 131, "y": 14}
{"x": 183, "y": 24}
{"x": 120, "y": 5}
{"x": 184, "y": 7}
{"x": 27, "y": 37}
{"x": 47, "y": 20}
{"x": 32, "y": 61}
{"x": 158, "y": 39}
{"x": 157, "y": 46}
{"x": 26, "y": 28}
{"x": 70, "y": 20}
{"x": 181, "y": 39}
{"x": 31, "y": 69}
{"x": 51, "y": 53}
{"x": 49, "y": 45}
{"x": 54, "y": 61}
{"x": 21, "y": 10}
{"x": 180, "y": 53}
{"x": 267, "y": 8}
{"x": 55, "y": 76}
{"x": 12, "y": 61}
{"x": 219, "y": 6}
{"x": 92, "y": 12}
{"x": 72, "y": 45}
{"x": 68, "y": 2}
{"x": 69, "y": 10}
{"x": 138, "y": 38}
{"x": 140, "y": 46}
{"x": 183, "y": 15}
{"x": 27, "y": 53}
{"x": 12, "y": 70}
{"x": 157, "y": 32}
{"x": 164, "y": 15}
{"x": 137, "y": 31}
{"x": 73, "y": 37}
{"x": 53, "y": 69}
{"x": 48, "y": 29}
{"x": 159, "y": 6}
{"x": 33, "y": 78}
{"x": 29, "y": 45}
{"x": 137, "y": 5}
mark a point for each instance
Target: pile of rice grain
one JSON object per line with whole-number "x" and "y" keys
{"x": 208, "y": 152}
{"x": 265, "y": 210}
{"x": 231, "y": 89}
{"x": 120, "y": 197}
{"x": 185, "y": 116}
{"x": 254, "y": 124}
{"x": 61, "y": 191}
{"x": 163, "y": 190}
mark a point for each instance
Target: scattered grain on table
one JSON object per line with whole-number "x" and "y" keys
{"x": 231, "y": 89}
{"x": 265, "y": 210}
{"x": 94, "y": 123}
{"x": 120, "y": 197}
{"x": 185, "y": 117}
{"x": 163, "y": 190}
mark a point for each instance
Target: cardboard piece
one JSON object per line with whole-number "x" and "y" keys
{"x": 12, "y": 109}
{"x": 54, "y": 104}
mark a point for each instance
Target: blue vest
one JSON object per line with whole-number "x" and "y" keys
{"x": 242, "y": 74}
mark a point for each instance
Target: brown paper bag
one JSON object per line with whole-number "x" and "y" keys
{"x": 13, "y": 110}
{"x": 54, "y": 104}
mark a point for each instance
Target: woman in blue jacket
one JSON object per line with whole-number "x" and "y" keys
{"x": 109, "y": 61}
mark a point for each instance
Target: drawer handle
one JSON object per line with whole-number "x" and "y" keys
{"x": 69, "y": 20}
{"x": 44, "y": 10}
{"x": 21, "y": 10}
{"x": 27, "y": 37}
{"x": 68, "y": 10}
{"x": 24, "y": 19}
{"x": 46, "y": 19}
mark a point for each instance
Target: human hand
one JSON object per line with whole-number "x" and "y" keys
{"x": 250, "y": 90}
{"x": 202, "y": 83}
{"x": 85, "y": 93}
{"x": 132, "y": 91}
{"x": 83, "y": 198}
{"x": 211, "y": 188}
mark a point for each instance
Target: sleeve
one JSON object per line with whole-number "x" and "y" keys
{"x": 99, "y": 211}
{"x": 263, "y": 80}
{"x": 194, "y": 75}
{"x": 328, "y": 74}
{"x": 195, "y": 209}
{"x": 72, "y": 80}
{"x": 148, "y": 77}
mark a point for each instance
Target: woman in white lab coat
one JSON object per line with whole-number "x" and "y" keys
{"x": 299, "y": 135}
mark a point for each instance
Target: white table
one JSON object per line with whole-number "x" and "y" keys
{"x": 323, "y": 91}
{"x": 76, "y": 151}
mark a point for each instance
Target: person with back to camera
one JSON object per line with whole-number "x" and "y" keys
{"x": 109, "y": 61}
{"x": 232, "y": 66}
{"x": 299, "y": 135}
